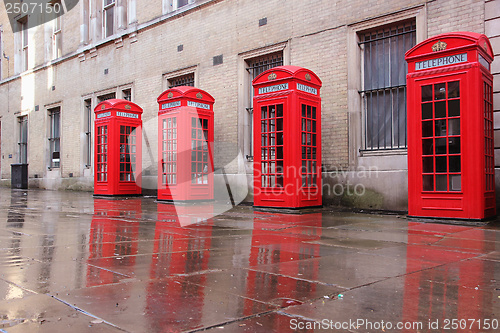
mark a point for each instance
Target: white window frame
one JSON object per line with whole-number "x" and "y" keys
{"x": 173, "y": 5}
{"x": 57, "y": 34}
{"x": 54, "y": 136}
{"x": 105, "y": 8}
{"x": 1, "y": 52}
{"x": 24, "y": 44}
{"x": 23, "y": 139}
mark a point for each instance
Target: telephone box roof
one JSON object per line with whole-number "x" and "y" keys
{"x": 453, "y": 41}
{"x": 287, "y": 72}
{"x": 185, "y": 91}
{"x": 120, "y": 104}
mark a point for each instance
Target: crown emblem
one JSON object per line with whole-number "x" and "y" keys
{"x": 485, "y": 47}
{"x": 439, "y": 46}
{"x": 272, "y": 76}
{"x": 199, "y": 95}
{"x": 128, "y": 107}
{"x": 170, "y": 95}
{"x": 103, "y": 107}
{"x": 308, "y": 77}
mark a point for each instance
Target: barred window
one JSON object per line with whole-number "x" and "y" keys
{"x": 108, "y": 20}
{"x": 23, "y": 139}
{"x": 384, "y": 84}
{"x": 105, "y": 97}
{"x": 256, "y": 66}
{"x": 182, "y": 80}
{"x": 87, "y": 130}
{"x": 55, "y": 137}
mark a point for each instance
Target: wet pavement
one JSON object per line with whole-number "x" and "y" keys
{"x": 73, "y": 263}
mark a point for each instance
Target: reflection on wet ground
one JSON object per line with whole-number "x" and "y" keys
{"x": 73, "y": 262}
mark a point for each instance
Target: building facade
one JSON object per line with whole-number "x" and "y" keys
{"x": 52, "y": 75}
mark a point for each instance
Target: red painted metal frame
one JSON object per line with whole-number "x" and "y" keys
{"x": 292, "y": 87}
{"x": 112, "y": 115}
{"x": 176, "y": 179}
{"x": 474, "y": 198}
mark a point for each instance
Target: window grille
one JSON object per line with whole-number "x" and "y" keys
{"x": 88, "y": 132}
{"x": 23, "y": 139}
{"x": 256, "y": 66}
{"x": 183, "y": 80}
{"x": 384, "y": 84}
{"x": 106, "y": 97}
{"x": 55, "y": 137}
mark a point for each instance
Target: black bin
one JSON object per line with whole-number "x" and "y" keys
{"x": 19, "y": 175}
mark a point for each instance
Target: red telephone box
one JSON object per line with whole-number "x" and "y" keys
{"x": 287, "y": 138}
{"x": 185, "y": 144}
{"x": 117, "y": 148}
{"x": 450, "y": 127}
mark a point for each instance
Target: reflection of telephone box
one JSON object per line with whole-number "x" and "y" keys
{"x": 114, "y": 232}
{"x": 117, "y": 148}
{"x": 185, "y": 141}
{"x": 450, "y": 127}
{"x": 179, "y": 249}
{"x": 286, "y": 250}
{"x": 287, "y": 138}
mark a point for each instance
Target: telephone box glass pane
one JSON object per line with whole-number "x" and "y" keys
{"x": 428, "y": 164}
{"x": 441, "y": 183}
{"x": 428, "y": 181}
{"x": 426, "y": 93}
{"x": 440, "y": 109}
{"x": 439, "y": 91}
{"x": 453, "y": 89}
{"x": 427, "y": 129}
{"x": 426, "y": 111}
{"x": 454, "y": 108}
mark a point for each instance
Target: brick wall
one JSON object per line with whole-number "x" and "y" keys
{"x": 317, "y": 39}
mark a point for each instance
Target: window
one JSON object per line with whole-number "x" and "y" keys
{"x": 55, "y": 137}
{"x": 127, "y": 94}
{"x": 109, "y": 17}
{"x": 176, "y": 4}
{"x": 56, "y": 34}
{"x": 254, "y": 67}
{"x": 384, "y": 84}
{"x": 1, "y": 53}
{"x": 87, "y": 130}
{"x": 182, "y": 80}
{"x": 24, "y": 44}
{"x": 105, "y": 97}
{"x": 23, "y": 139}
